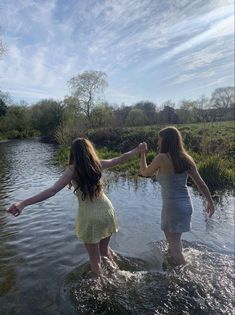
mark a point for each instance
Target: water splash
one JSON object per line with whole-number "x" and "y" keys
{"x": 204, "y": 286}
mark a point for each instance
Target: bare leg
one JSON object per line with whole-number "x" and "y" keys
{"x": 104, "y": 246}
{"x": 106, "y": 252}
{"x": 95, "y": 259}
{"x": 175, "y": 247}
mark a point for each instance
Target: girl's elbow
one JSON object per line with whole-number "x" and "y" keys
{"x": 142, "y": 172}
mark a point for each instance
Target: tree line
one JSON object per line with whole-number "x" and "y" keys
{"x": 85, "y": 108}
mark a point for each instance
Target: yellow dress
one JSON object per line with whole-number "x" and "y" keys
{"x": 96, "y": 219}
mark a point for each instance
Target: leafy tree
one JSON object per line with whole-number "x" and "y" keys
{"x": 149, "y": 110}
{"x": 87, "y": 87}
{"x": 47, "y": 116}
{"x": 72, "y": 104}
{"x": 17, "y": 122}
{"x": 72, "y": 125}
{"x": 3, "y": 108}
{"x": 121, "y": 114}
{"x": 136, "y": 117}
{"x": 103, "y": 116}
{"x": 168, "y": 115}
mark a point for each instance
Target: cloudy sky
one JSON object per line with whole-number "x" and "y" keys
{"x": 150, "y": 49}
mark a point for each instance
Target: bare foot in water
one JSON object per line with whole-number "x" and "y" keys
{"x": 111, "y": 255}
{"x": 107, "y": 262}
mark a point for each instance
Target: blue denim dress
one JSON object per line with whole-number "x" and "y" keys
{"x": 176, "y": 203}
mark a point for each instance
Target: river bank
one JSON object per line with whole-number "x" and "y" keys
{"x": 210, "y": 144}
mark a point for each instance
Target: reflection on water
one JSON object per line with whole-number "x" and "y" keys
{"x": 40, "y": 255}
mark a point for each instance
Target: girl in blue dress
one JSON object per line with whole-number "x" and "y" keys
{"x": 173, "y": 166}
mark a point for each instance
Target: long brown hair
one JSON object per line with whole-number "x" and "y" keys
{"x": 87, "y": 168}
{"x": 172, "y": 143}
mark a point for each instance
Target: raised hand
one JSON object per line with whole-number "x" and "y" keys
{"x": 16, "y": 208}
{"x": 143, "y": 147}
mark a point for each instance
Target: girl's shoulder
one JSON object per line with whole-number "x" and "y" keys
{"x": 71, "y": 168}
{"x": 166, "y": 161}
{"x": 162, "y": 156}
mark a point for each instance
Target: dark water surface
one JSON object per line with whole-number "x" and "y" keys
{"x": 43, "y": 266}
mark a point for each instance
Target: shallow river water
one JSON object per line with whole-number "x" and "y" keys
{"x": 44, "y": 267}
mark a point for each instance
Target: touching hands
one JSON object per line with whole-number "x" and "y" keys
{"x": 16, "y": 208}
{"x": 143, "y": 147}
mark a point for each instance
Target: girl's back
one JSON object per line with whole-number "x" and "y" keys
{"x": 95, "y": 218}
{"x": 174, "y": 186}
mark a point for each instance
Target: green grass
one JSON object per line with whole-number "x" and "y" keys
{"x": 217, "y": 172}
{"x": 211, "y": 145}
{"x": 201, "y": 137}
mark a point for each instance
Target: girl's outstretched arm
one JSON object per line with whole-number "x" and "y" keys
{"x": 64, "y": 180}
{"x": 202, "y": 187}
{"x": 120, "y": 159}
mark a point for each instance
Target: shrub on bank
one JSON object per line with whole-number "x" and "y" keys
{"x": 216, "y": 172}
{"x": 211, "y": 145}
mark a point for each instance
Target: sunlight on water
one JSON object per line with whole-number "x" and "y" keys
{"x": 44, "y": 268}
{"x": 203, "y": 286}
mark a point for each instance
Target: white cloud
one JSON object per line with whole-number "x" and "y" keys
{"x": 122, "y": 96}
{"x": 219, "y": 30}
{"x": 195, "y": 75}
{"x": 215, "y": 83}
{"x": 50, "y": 41}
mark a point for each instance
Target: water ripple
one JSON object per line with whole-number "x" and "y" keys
{"x": 203, "y": 286}
{"x": 39, "y": 249}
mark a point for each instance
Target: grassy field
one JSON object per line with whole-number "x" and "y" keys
{"x": 211, "y": 145}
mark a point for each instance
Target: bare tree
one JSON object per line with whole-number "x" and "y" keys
{"x": 6, "y": 98}
{"x": 187, "y": 111}
{"x": 168, "y": 103}
{"x": 223, "y": 97}
{"x": 222, "y": 101}
{"x": 87, "y": 87}
{"x": 202, "y": 112}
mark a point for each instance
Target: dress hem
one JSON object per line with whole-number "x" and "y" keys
{"x": 96, "y": 240}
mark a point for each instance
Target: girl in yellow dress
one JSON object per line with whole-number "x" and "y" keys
{"x": 96, "y": 220}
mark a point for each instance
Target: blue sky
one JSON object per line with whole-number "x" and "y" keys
{"x": 150, "y": 49}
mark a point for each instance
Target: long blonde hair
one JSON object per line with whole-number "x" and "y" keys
{"x": 87, "y": 168}
{"x": 172, "y": 143}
